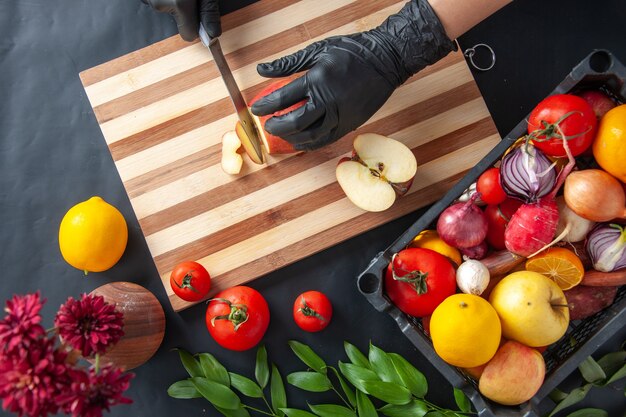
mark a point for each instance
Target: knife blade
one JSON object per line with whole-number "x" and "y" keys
{"x": 252, "y": 146}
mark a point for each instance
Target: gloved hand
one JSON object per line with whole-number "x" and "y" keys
{"x": 188, "y": 14}
{"x": 350, "y": 77}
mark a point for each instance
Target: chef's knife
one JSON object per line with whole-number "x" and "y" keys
{"x": 252, "y": 143}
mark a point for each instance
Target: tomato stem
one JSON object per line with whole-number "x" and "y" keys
{"x": 186, "y": 282}
{"x": 238, "y": 313}
{"x": 416, "y": 279}
{"x": 308, "y": 311}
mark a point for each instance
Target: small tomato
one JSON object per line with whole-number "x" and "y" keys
{"x": 312, "y": 311}
{"x": 190, "y": 281}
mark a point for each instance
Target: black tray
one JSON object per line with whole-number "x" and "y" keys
{"x": 599, "y": 70}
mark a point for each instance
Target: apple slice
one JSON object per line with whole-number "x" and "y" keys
{"x": 256, "y": 157}
{"x": 231, "y": 160}
{"x": 380, "y": 169}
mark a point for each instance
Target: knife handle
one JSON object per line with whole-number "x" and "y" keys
{"x": 185, "y": 12}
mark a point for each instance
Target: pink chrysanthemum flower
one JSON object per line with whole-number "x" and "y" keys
{"x": 32, "y": 379}
{"x": 21, "y": 326}
{"x": 90, "y": 325}
{"x": 92, "y": 392}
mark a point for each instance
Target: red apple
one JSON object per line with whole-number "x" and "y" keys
{"x": 380, "y": 169}
{"x": 599, "y": 102}
{"x": 273, "y": 144}
{"x": 513, "y": 375}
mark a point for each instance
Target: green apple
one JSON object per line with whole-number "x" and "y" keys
{"x": 532, "y": 308}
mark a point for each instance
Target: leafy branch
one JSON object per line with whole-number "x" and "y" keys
{"x": 601, "y": 373}
{"x": 383, "y": 378}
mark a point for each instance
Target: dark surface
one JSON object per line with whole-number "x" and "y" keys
{"x": 52, "y": 155}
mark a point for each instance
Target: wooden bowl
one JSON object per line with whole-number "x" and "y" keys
{"x": 144, "y": 324}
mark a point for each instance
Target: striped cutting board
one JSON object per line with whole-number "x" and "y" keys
{"x": 164, "y": 109}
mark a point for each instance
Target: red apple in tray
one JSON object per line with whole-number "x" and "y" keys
{"x": 379, "y": 170}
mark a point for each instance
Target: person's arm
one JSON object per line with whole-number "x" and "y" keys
{"x": 459, "y": 16}
{"x": 348, "y": 78}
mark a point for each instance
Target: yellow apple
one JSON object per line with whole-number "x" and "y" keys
{"x": 513, "y": 375}
{"x": 531, "y": 307}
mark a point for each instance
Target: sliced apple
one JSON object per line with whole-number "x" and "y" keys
{"x": 255, "y": 155}
{"x": 380, "y": 169}
{"x": 231, "y": 159}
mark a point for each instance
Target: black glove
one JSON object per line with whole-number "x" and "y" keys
{"x": 351, "y": 77}
{"x": 188, "y": 13}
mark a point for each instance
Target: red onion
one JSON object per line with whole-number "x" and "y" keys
{"x": 476, "y": 252}
{"x": 462, "y": 225}
{"x": 606, "y": 246}
{"x": 526, "y": 173}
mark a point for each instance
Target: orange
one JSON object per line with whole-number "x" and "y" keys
{"x": 609, "y": 146}
{"x": 561, "y": 265}
{"x": 429, "y": 239}
{"x": 93, "y": 235}
{"x": 465, "y": 330}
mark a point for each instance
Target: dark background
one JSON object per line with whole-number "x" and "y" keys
{"x": 52, "y": 156}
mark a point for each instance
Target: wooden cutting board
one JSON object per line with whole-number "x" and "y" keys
{"x": 164, "y": 109}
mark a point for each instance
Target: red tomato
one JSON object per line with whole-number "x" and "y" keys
{"x": 312, "y": 311}
{"x": 237, "y": 318}
{"x": 190, "y": 281}
{"x": 418, "y": 280}
{"x": 488, "y": 185}
{"x": 498, "y": 217}
{"x": 562, "y": 115}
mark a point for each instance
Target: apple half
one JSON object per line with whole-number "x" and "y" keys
{"x": 379, "y": 170}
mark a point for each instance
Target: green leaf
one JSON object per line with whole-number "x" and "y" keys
{"x": 238, "y": 412}
{"x": 462, "y": 401}
{"x": 213, "y": 370}
{"x": 572, "y": 398}
{"x": 557, "y": 395}
{"x": 217, "y": 394}
{"x": 190, "y": 363}
{"x": 331, "y": 410}
{"x": 356, "y": 374}
{"x": 435, "y": 414}
{"x": 345, "y": 387}
{"x": 415, "y": 408}
{"x": 246, "y": 386}
{"x": 261, "y": 370}
{"x": 612, "y": 362}
{"x": 355, "y": 355}
{"x": 591, "y": 371}
{"x": 183, "y": 390}
{"x": 411, "y": 378}
{"x": 589, "y": 412}
{"x": 306, "y": 355}
{"x": 621, "y": 373}
{"x": 277, "y": 391}
{"x": 387, "y": 391}
{"x": 382, "y": 365}
{"x": 310, "y": 381}
{"x": 294, "y": 412}
{"x": 364, "y": 406}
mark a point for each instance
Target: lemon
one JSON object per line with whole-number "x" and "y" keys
{"x": 429, "y": 239}
{"x": 93, "y": 235}
{"x": 465, "y": 330}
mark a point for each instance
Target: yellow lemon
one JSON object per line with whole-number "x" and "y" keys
{"x": 429, "y": 239}
{"x": 609, "y": 146}
{"x": 93, "y": 235}
{"x": 465, "y": 330}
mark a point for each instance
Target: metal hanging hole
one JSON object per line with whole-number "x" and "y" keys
{"x": 470, "y": 52}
